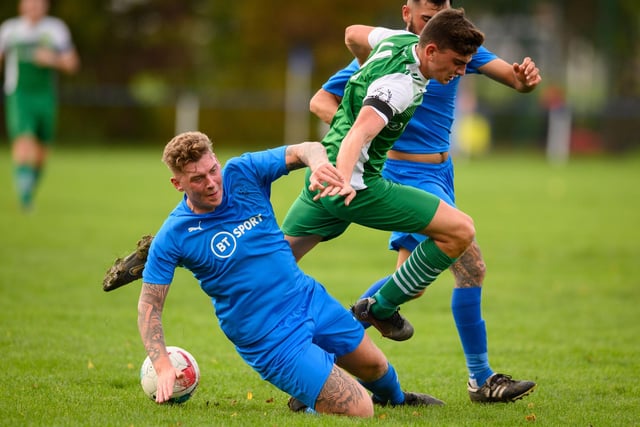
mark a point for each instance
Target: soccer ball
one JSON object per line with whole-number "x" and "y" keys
{"x": 184, "y": 387}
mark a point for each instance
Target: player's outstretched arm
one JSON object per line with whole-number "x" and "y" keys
{"x": 523, "y": 77}
{"x": 527, "y": 75}
{"x": 324, "y": 176}
{"x": 67, "y": 62}
{"x": 366, "y": 127}
{"x": 150, "y": 307}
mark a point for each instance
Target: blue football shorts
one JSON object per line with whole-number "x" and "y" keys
{"x": 436, "y": 179}
{"x": 299, "y": 354}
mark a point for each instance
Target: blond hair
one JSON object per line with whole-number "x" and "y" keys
{"x": 185, "y": 148}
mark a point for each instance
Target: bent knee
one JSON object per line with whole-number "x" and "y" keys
{"x": 364, "y": 409}
{"x": 464, "y": 234}
{"x": 467, "y": 232}
{"x": 354, "y": 401}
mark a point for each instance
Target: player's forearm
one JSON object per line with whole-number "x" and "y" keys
{"x": 311, "y": 154}
{"x": 510, "y": 75}
{"x": 324, "y": 105}
{"x": 68, "y": 62}
{"x": 150, "y": 307}
{"x": 367, "y": 126}
{"x": 349, "y": 153}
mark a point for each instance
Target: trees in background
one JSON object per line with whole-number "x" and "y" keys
{"x": 139, "y": 56}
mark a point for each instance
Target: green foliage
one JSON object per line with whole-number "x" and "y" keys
{"x": 560, "y": 299}
{"x": 139, "y": 56}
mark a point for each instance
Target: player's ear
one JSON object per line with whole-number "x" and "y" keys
{"x": 430, "y": 49}
{"x": 406, "y": 14}
{"x": 176, "y": 183}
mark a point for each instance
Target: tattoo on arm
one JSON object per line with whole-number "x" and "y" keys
{"x": 293, "y": 158}
{"x": 150, "y": 306}
{"x": 304, "y": 154}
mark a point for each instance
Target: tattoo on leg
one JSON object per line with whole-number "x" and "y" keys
{"x": 469, "y": 270}
{"x": 340, "y": 393}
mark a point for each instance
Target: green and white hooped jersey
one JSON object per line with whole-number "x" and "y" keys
{"x": 18, "y": 40}
{"x": 391, "y": 82}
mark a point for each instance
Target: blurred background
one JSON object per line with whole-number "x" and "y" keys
{"x": 243, "y": 72}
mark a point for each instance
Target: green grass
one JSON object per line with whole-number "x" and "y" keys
{"x": 561, "y": 299}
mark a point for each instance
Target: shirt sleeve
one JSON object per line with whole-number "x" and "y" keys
{"x": 4, "y": 34}
{"x": 265, "y": 166}
{"x": 390, "y": 95}
{"x": 162, "y": 260}
{"x": 482, "y": 57}
{"x": 63, "y": 42}
{"x": 380, "y": 33}
{"x": 336, "y": 83}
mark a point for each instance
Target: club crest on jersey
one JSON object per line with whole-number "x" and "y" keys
{"x": 382, "y": 94}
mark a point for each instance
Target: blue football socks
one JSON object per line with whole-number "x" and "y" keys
{"x": 386, "y": 388}
{"x": 374, "y": 288}
{"x": 465, "y": 305}
{"x": 467, "y": 313}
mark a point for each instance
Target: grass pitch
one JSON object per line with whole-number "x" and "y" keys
{"x": 560, "y": 299}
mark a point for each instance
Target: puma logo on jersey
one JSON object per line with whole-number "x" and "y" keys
{"x": 198, "y": 228}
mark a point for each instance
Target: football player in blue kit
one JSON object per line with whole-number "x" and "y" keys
{"x": 283, "y": 322}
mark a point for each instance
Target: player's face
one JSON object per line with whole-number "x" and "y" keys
{"x": 202, "y": 182}
{"x": 33, "y": 9}
{"x": 445, "y": 65}
{"x": 416, "y": 15}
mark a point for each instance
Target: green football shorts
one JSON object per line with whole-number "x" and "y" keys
{"x": 384, "y": 205}
{"x": 31, "y": 114}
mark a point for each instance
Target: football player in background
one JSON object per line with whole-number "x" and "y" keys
{"x": 34, "y": 47}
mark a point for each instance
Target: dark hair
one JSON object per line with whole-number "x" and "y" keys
{"x": 438, "y": 3}
{"x": 450, "y": 29}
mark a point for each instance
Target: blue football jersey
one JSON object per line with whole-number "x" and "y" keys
{"x": 237, "y": 253}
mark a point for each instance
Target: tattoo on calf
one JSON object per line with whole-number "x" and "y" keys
{"x": 469, "y": 270}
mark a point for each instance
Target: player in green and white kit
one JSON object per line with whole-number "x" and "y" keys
{"x": 379, "y": 101}
{"x": 34, "y": 47}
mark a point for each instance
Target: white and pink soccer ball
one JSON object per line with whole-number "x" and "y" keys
{"x": 184, "y": 387}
